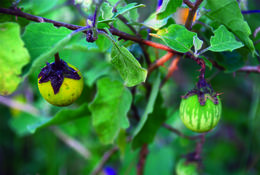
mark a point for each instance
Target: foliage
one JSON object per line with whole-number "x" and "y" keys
{"x": 126, "y": 104}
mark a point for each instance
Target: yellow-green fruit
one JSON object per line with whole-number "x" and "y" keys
{"x": 69, "y": 91}
{"x": 200, "y": 118}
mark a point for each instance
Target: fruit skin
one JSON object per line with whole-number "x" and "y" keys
{"x": 184, "y": 168}
{"x": 70, "y": 90}
{"x": 200, "y": 118}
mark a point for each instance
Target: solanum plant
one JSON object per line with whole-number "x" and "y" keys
{"x": 95, "y": 74}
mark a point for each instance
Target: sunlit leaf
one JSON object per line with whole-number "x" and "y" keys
{"x": 177, "y": 37}
{"x": 223, "y": 40}
{"x": 13, "y": 57}
{"x": 227, "y": 12}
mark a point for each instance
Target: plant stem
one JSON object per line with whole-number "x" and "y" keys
{"x": 142, "y": 159}
{"x": 103, "y": 161}
{"x": 180, "y": 133}
{"x": 18, "y": 12}
{"x": 192, "y": 13}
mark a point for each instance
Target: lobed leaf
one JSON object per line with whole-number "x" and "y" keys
{"x": 228, "y": 13}
{"x": 109, "y": 109}
{"x": 223, "y": 40}
{"x": 177, "y": 37}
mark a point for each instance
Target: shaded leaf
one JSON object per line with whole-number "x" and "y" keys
{"x": 26, "y": 123}
{"x": 109, "y": 109}
{"x": 13, "y": 57}
{"x": 149, "y": 107}
{"x": 128, "y": 7}
{"x": 155, "y": 120}
{"x": 223, "y": 40}
{"x": 63, "y": 116}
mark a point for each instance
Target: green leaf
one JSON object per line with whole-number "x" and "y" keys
{"x": 223, "y": 40}
{"x": 63, "y": 116}
{"x": 20, "y": 123}
{"x": 40, "y": 7}
{"x": 150, "y": 105}
{"x": 155, "y": 120}
{"x": 43, "y": 40}
{"x": 25, "y": 123}
{"x": 13, "y": 57}
{"x": 227, "y": 12}
{"x": 128, "y": 67}
{"x": 128, "y": 7}
{"x": 96, "y": 72}
{"x": 109, "y": 109}
{"x": 154, "y": 23}
{"x": 197, "y": 43}
{"x": 177, "y": 37}
{"x": 168, "y": 7}
{"x": 106, "y": 11}
{"x": 231, "y": 61}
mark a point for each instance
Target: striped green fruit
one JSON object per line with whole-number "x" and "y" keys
{"x": 200, "y": 118}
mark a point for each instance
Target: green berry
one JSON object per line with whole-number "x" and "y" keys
{"x": 197, "y": 117}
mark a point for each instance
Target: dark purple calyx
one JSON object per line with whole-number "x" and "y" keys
{"x": 204, "y": 92}
{"x": 56, "y": 72}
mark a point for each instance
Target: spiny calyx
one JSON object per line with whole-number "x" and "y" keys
{"x": 204, "y": 92}
{"x": 56, "y": 72}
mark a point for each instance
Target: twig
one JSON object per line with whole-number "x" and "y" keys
{"x": 188, "y": 3}
{"x": 114, "y": 31}
{"x": 172, "y": 68}
{"x": 146, "y": 55}
{"x": 72, "y": 143}
{"x": 248, "y": 69}
{"x": 199, "y": 147}
{"x": 103, "y": 161}
{"x": 160, "y": 62}
{"x": 17, "y": 12}
{"x": 192, "y": 13}
{"x": 142, "y": 159}
{"x": 180, "y": 133}
{"x": 18, "y": 105}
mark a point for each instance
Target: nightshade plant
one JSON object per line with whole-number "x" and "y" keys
{"x": 131, "y": 92}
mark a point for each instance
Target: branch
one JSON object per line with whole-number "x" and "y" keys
{"x": 192, "y": 13}
{"x": 18, "y": 105}
{"x": 188, "y": 3}
{"x": 103, "y": 161}
{"x": 180, "y": 133}
{"x": 160, "y": 62}
{"x": 142, "y": 159}
{"x": 72, "y": 143}
{"x": 249, "y": 69}
{"x": 114, "y": 31}
{"x": 172, "y": 68}
{"x": 146, "y": 55}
